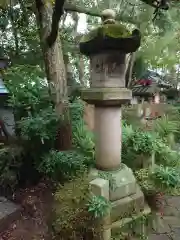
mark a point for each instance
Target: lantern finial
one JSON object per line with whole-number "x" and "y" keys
{"x": 108, "y": 16}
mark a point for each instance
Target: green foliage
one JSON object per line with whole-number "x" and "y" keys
{"x": 111, "y": 30}
{"x": 71, "y": 219}
{"x": 36, "y": 119}
{"x": 76, "y": 111}
{"x": 166, "y": 177}
{"x": 142, "y": 142}
{"x": 144, "y": 180}
{"x": 11, "y": 159}
{"x": 63, "y": 165}
{"x": 164, "y": 126}
{"x": 28, "y": 91}
{"x": 108, "y": 176}
{"x": 130, "y": 115}
{"x": 98, "y": 206}
{"x": 136, "y": 143}
{"x": 83, "y": 139}
{"x": 165, "y": 155}
{"x": 162, "y": 179}
{"x": 43, "y": 125}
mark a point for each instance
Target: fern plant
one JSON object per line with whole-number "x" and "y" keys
{"x": 167, "y": 128}
{"x": 83, "y": 139}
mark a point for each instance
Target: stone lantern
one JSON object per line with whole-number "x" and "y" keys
{"x": 108, "y": 47}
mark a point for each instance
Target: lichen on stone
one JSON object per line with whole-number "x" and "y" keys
{"x": 110, "y": 30}
{"x": 115, "y": 31}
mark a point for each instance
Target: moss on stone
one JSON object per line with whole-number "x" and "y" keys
{"x": 110, "y": 30}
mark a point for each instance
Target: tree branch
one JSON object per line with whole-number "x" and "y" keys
{"x": 73, "y": 8}
{"x": 57, "y": 13}
{"x": 60, "y": 5}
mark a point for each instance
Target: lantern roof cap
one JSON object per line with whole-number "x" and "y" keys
{"x": 110, "y": 35}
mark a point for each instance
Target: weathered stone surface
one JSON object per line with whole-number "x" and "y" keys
{"x": 171, "y": 211}
{"x": 126, "y": 207}
{"x": 175, "y": 235}
{"x": 162, "y": 227}
{"x": 123, "y": 223}
{"x": 8, "y": 213}
{"x": 123, "y": 181}
{"x": 173, "y": 201}
{"x": 158, "y": 237}
{"x": 100, "y": 187}
{"x": 108, "y": 69}
{"x": 172, "y": 221}
{"x": 106, "y": 96}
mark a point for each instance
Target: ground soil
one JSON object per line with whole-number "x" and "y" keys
{"x": 36, "y": 205}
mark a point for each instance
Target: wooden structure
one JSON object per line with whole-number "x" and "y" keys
{"x": 6, "y": 113}
{"x": 150, "y": 93}
{"x": 150, "y": 88}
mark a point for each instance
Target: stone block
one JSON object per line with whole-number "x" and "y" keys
{"x": 122, "y": 182}
{"x": 171, "y": 211}
{"x": 8, "y": 213}
{"x": 127, "y": 206}
{"x": 158, "y": 237}
{"x": 123, "y": 224}
{"x": 100, "y": 187}
{"x": 106, "y": 96}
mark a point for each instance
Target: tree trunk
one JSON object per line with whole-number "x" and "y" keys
{"x": 55, "y": 72}
{"x": 130, "y": 70}
{"x": 14, "y": 29}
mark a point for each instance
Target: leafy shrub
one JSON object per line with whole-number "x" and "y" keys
{"x": 63, "y": 165}
{"x": 42, "y": 126}
{"x": 165, "y": 155}
{"x": 137, "y": 146}
{"x": 76, "y": 111}
{"x": 28, "y": 90}
{"x": 11, "y": 159}
{"x": 71, "y": 219}
{"x": 140, "y": 141}
{"x": 162, "y": 179}
{"x": 164, "y": 126}
{"x": 167, "y": 177}
{"x": 83, "y": 139}
{"x": 98, "y": 206}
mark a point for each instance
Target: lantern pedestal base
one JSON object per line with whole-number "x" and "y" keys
{"x": 127, "y": 206}
{"x": 122, "y": 181}
{"x": 124, "y": 193}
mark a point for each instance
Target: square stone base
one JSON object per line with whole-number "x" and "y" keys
{"x": 122, "y": 182}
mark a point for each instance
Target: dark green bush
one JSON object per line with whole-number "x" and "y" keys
{"x": 43, "y": 125}
{"x": 137, "y": 146}
{"x": 11, "y": 160}
{"x": 166, "y": 177}
{"x": 63, "y": 165}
